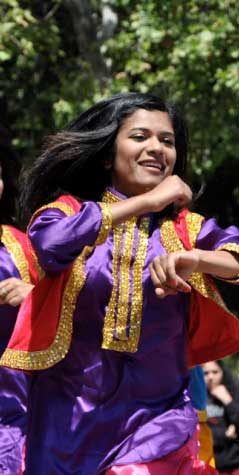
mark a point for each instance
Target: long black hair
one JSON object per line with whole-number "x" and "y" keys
{"x": 228, "y": 380}
{"x": 10, "y": 173}
{"x": 73, "y": 160}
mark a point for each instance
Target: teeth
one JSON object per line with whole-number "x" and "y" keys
{"x": 152, "y": 164}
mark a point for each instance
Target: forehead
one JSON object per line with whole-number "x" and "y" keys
{"x": 154, "y": 120}
{"x": 211, "y": 366}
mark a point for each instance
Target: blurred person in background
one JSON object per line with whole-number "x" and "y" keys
{"x": 223, "y": 416}
{"x": 198, "y": 392}
{"x": 15, "y": 284}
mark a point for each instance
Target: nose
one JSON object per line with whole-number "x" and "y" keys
{"x": 210, "y": 377}
{"x": 155, "y": 147}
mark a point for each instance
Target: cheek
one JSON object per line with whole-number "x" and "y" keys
{"x": 173, "y": 159}
{"x": 123, "y": 163}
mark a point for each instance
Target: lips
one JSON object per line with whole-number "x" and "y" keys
{"x": 152, "y": 164}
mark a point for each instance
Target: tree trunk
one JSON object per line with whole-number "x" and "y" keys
{"x": 85, "y": 27}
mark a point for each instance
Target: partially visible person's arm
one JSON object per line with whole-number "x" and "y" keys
{"x": 58, "y": 239}
{"x": 171, "y": 190}
{"x": 170, "y": 272}
{"x": 13, "y": 291}
{"x": 221, "y": 393}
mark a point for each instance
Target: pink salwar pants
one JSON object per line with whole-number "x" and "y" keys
{"x": 183, "y": 461}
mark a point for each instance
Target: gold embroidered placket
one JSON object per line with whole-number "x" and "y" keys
{"x": 117, "y": 316}
{"x": 109, "y": 321}
{"x": 124, "y": 286}
{"x": 130, "y": 343}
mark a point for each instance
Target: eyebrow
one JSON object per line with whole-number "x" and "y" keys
{"x": 144, "y": 129}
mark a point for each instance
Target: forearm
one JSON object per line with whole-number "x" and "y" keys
{"x": 220, "y": 264}
{"x": 128, "y": 208}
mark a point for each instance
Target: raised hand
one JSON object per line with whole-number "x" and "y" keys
{"x": 172, "y": 190}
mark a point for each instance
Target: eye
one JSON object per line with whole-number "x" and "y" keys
{"x": 138, "y": 137}
{"x": 168, "y": 141}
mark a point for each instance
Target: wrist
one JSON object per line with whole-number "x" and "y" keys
{"x": 202, "y": 264}
{"x": 227, "y": 400}
{"x": 151, "y": 204}
{"x": 141, "y": 204}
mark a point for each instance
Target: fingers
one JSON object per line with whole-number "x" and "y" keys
{"x": 13, "y": 298}
{"x": 159, "y": 280}
{"x": 165, "y": 278}
{"x": 13, "y": 291}
{"x": 5, "y": 287}
{"x": 3, "y": 293}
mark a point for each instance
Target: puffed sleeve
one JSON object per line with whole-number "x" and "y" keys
{"x": 58, "y": 239}
{"x": 213, "y": 238}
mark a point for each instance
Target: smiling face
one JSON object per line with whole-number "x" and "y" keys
{"x": 145, "y": 152}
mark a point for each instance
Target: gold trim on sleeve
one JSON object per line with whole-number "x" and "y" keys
{"x": 231, "y": 247}
{"x": 66, "y": 209}
{"x": 106, "y": 223}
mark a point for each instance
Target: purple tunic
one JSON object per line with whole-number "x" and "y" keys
{"x": 13, "y": 386}
{"x": 100, "y": 407}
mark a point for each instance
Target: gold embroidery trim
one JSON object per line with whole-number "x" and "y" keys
{"x": 18, "y": 256}
{"x": 231, "y": 247}
{"x": 110, "y": 198}
{"x": 171, "y": 242}
{"x": 131, "y": 343}
{"x": 106, "y": 223}
{"x": 123, "y": 301}
{"x": 109, "y": 321}
{"x": 54, "y": 205}
{"x": 43, "y": 359}
{"x": 137, "y": 298}
{"x": 169, "y": 237}
{"x": 194, "y": 223}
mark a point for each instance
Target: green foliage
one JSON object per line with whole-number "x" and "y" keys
{"x": 186, "y": 50}
{"x": 42, "y": 79}
{"x": 189, "y": 51}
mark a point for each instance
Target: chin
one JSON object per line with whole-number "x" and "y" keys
{"x": 143, "y": 188}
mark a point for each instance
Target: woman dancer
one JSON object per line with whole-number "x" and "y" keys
{"x": 15, "y": 284}
{"x": 127, "y": 285}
